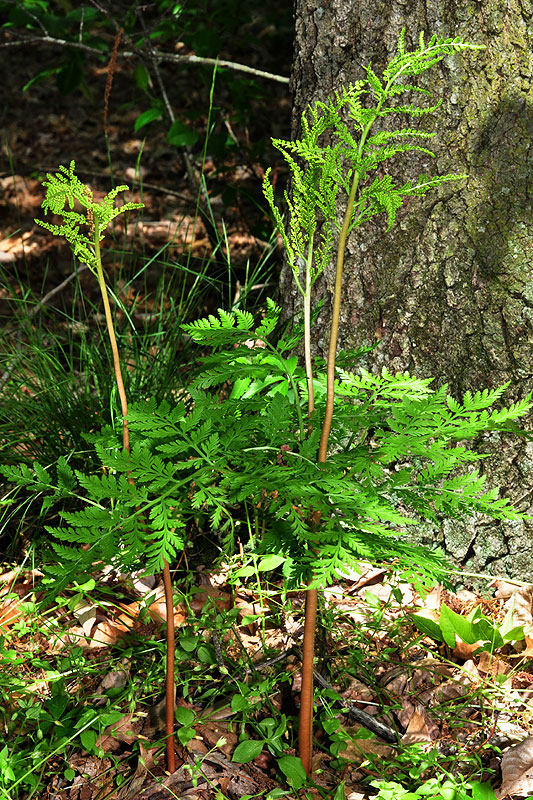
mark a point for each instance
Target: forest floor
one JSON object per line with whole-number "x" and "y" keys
{"x": 459, "y": 713}
{"x": 81, "y": 679}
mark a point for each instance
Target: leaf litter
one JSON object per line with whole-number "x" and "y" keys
{"x": 452, "y": 700}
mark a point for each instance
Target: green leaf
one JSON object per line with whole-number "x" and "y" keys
{"x": 185, "y": 716}
{"x": 482, "y": 791}
{"x": 181, "y": 135}
{"x": 146, "y": 117}
{"x": 142, "y": 77}
{"x": 485, "y": 631}
{"x": 270, "y": 562}
{"x": 244, "y": 572}
{"x": 188, "y": 643}
{"x": 509, "y": 631}
{"x": 339, "y": 792}
{"x": 428, "y": 627}
{"x": 185, "y": 734}
{"x": 110, "y": 717}
{"x": 246, "y": 751}
{"x": 88, "y": 739}
{"x": 56, "y": 705}
{"x": 240, "y": 703}
{"x": 293, "y": 769}
{"x": 41, "y": 76}
{"x": 516, "y": 634}
{"x": 451, "y": 623}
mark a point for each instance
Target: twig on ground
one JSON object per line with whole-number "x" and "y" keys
{"x": 366, "y": 720}
{"x": 169, "y": 57}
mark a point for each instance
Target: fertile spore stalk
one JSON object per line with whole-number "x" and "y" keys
{"x": 62, "y": 188}
{"x": 345, "y": 165}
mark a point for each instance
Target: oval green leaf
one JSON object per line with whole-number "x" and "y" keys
{"x": 146, "y": 117}
{"x": 246, "y": 751}
{"x": 293, "y": 769}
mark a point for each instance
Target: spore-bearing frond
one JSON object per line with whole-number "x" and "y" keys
{"x": 64, "y": 188}
{"x": 331, "y": 154}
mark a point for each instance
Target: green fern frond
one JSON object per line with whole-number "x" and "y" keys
{"x": 64, "y": 188}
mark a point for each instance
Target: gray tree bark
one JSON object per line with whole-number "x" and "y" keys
{"x": 448, "y": 292}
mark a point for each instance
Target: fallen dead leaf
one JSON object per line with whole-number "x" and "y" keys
{"x": 213, "y": 731}
{"x": 517, "y": 770}
{"x": 107, "y": 632}
{"x": 463, "y": 650}
{"x": 492, "y": 665}
{"x": 519, "y": 598}
{"x": 116, "y": 679}
{"x": 421, "y": 728}
{"x": 126, "y": 730}
{"x": 86, "y": 616}
{"x": 358, "y": 750}
{"x": 9, "y": 613}
{"x": 222, "y": 600}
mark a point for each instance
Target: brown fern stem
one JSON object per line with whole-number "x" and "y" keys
{"x": 167, "y": 581}
{"x": 169, "y": 679}
{"x": 305, "y": 737}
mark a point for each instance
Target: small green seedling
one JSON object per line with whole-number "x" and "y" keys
{"x": 443, "y": 787}
{"x": 271, "y": 732}
{"x": 475, "y": 627}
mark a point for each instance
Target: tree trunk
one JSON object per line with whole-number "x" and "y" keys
{"x": 448, "y": 292}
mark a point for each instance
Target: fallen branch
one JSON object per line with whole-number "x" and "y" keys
{"x": 141, "y": 53}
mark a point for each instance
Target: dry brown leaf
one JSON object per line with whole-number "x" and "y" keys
{"x": 9, "y": 613}
{"x": 157, "y": 610}
{"x": 368, "y": 575}
{"x": 450, "y": 690}
{"x": 421, "y": 728}
{"x": 492, "y": 666}
{"x": 12, "y": 575}
{"x": 463, "y": 650}
{"x": 213, "y": 731}
{"x": 197, "y": 746}
{"x": 126, "y": 729}
{"x": 358, "y": 749}
{"x": 433, "y": 600}
{"x": 405, "y": 713}
{"x": 529, "y": 646}
{"x": 358, "y": 691}
{"x": 116, "y": 679}
{"x": 107, "y": 632}
{"x": 145, "y": 764}
{"x": 519, "y": 598}
{"x": 517, "y": 770}
{"x": 222, "y": 600}
{"x": 86, "y": 616}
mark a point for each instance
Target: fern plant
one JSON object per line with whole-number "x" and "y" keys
{"x": 84, "y": 230}
{"x": 349, "y": 166}
{"x": 395, "y": 461}
{"x": 391, "y": 450}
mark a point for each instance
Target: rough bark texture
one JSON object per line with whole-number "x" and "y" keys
{"x": 448, "y": 292}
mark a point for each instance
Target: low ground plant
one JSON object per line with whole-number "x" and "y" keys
{"x": 309, "y": 468}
